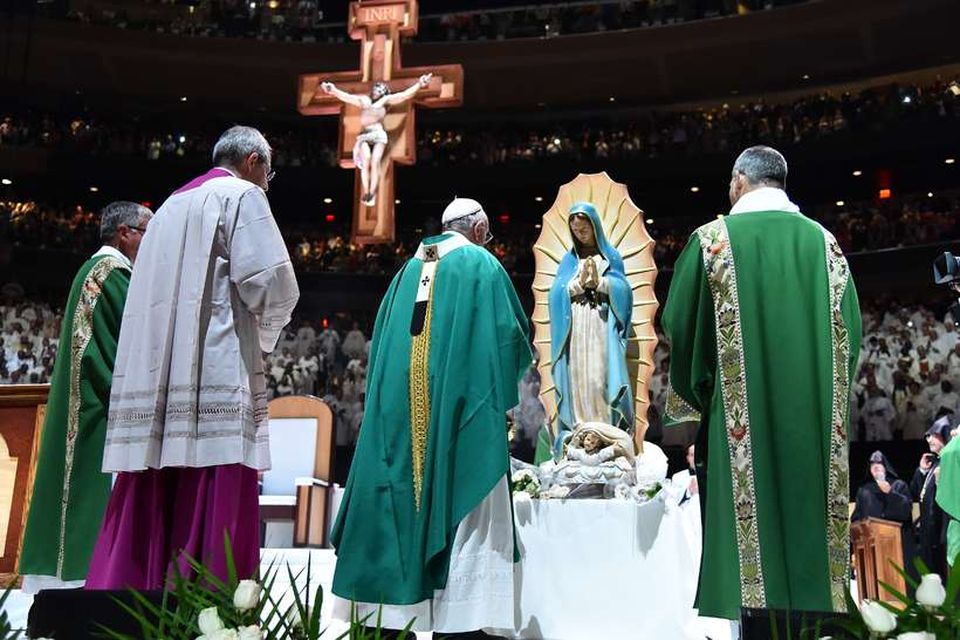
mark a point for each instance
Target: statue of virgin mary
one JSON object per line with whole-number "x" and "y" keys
{"x": 590, "y": 305}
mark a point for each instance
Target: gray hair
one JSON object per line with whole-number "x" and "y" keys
{"x": 117, "y": 213}
{"x": 465, "y": 224}
{"x": 762, "y": 166}
{"x": 237, "y": 143}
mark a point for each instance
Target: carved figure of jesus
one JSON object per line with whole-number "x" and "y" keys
{"x": 372, "y": 139}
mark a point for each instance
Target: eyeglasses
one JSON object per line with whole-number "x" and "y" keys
{"x": 487, "y": 239}
{"x": 142, "y": 230}
{"x": 271, "y": 175}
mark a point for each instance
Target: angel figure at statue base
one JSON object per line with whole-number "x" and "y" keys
{"x": 596, "y": 454}
{"x": 595, "y": 443}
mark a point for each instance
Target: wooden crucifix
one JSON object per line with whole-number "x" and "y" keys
{"x": 379, "y": 26}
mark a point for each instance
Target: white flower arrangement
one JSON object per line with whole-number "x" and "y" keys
{"x": 927, "y": 616}
{"x": 246, "y": 597}
{"x": 208, "y": 607}
{"x": 525, "y": 481}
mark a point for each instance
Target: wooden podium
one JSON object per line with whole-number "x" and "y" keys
{"x": 22, "y": 407}
{"x": 877, "y": 544}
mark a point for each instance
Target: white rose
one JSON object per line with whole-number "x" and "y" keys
{"x": 917, "y": 635}
{"x": 250, "y": 633}
{"x": 931, "y": 593}
{"x": 877, "y": 618}
{"x": 209, "y": 621}
{"x": 522, "y": 474}
{"x": 521, "y": 496}
{"x": 247, "y": 595}
{"x": 225, "y": 634}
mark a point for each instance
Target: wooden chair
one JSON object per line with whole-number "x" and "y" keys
{"x": 298, "y": 486}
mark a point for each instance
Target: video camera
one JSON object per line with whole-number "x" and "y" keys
{"x": 946, "y": 271}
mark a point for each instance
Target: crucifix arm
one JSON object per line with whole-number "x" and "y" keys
{"x": 331, "y": 89}
{"x": 402, "y": 96}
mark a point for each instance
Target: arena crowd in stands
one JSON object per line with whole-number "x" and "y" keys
{"x": 722, "y": 129}
{"x": 304, "y": 20}
{"x": 859, "y": 226}
{"x": 909, "y": 370}
{"x": 647, "y": 134}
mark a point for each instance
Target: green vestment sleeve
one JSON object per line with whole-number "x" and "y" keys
{"x": 689, "y": 326}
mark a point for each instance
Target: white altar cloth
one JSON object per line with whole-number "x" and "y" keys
{"x": 589, "y": 569}
{"x": 606, "y": 569}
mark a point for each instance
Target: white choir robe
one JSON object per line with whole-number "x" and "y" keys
{"x": 210, "y": 292}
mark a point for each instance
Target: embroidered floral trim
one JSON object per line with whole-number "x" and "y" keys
{"x": 838, "y": 491}
{"x": 81, "y": 332}
{"x": 722, "y": 277}
{"x": 420, "y": 396}
{"x": 678, "y": 409}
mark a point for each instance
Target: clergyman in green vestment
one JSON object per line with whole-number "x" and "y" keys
{"x": 426, "y": 524}
{"x": 947, "y": 479}
{"x": 764, "y": 327}
{"x": 70, "y": 491}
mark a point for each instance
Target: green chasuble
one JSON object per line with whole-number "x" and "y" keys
{"x": 948, "y": 496}
{"x": 70, "y": 491}
{"x": 433, "y": 442}
{"x": 764, "y": 327}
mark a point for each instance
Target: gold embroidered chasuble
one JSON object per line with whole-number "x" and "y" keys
{"x": 764, "y": 327}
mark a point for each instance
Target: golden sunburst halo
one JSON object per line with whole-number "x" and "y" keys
{"x": 623, "y": 224}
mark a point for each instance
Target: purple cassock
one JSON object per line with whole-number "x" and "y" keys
{"x": 157, "y": 515}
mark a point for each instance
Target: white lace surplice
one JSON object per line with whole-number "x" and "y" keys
{"x": 587, "y": 362}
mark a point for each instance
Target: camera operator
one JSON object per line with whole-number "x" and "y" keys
{"x": 931, "y": 527}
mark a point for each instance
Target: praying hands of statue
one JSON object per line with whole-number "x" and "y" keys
{"x": 589, "y": 276}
